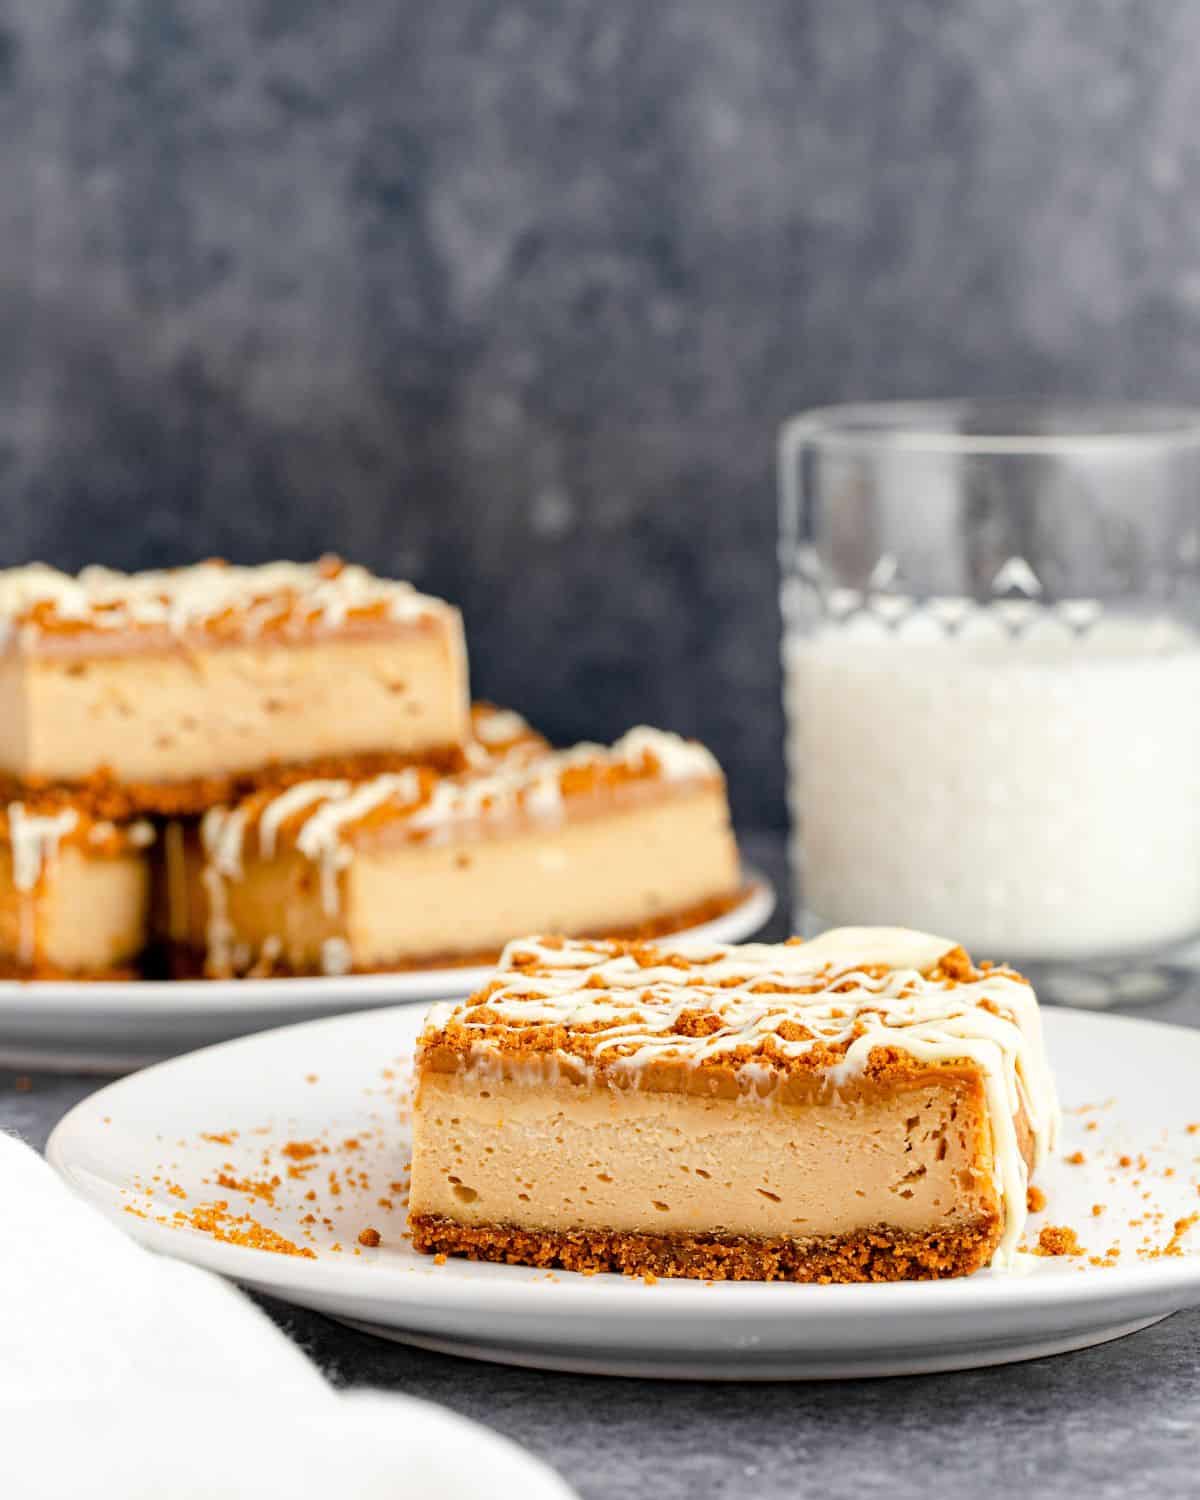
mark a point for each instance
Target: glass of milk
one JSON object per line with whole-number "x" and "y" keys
{"x": 992, "y": 672}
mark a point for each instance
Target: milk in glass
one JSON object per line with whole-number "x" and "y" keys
{"x": 1031, "y": 792}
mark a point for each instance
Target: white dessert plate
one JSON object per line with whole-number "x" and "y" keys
{"x": 116, "y": 1027}
{"x": 154, "y": 1146}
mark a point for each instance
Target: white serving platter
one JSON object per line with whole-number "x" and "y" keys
{"x": 116, "y": 1027}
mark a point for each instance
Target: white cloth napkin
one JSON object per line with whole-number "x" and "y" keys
{"x": 126, "y": 1376}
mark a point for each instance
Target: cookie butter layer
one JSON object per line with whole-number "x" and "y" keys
{"x": 74, "y": 893}
{"x": 159, "y": 681}
{"x": 807, "y": 1110}
{"x": 333, "y": 875}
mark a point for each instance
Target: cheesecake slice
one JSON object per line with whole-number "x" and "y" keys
{"x": 865, "y": 1107}
{"x": 74, "y": 893}
{"x": 181, "y": 916}
{"x": 166, "y": 692}
{"x": 421, "y": 869}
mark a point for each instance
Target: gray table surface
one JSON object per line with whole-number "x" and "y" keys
{"x": 1122, "y": 1420}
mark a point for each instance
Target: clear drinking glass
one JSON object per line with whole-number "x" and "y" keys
{"x": 992, "y": 672}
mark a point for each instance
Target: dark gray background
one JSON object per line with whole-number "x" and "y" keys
{"x": 511, "y": 297}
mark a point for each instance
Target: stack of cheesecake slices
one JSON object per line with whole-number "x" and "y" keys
{"x": 235, "y": 772}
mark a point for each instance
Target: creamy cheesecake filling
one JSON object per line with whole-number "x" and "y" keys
{"x": 566, "y": 1158}
{"x": 74, "y": 889}
{"x": 179, "y": 714}
{"x": 616, "y": 868}
{"x": 97, "y": 912}
{"x": 622, "y": 869}
{"x": 84, "y": 913}
{"x": 14, "y": 715}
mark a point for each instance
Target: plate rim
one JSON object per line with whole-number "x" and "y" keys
{"x": 605, "y": 1293}
{"x": 164, "y": 998}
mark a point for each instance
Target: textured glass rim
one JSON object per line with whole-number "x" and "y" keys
{"x": 928, "y": 427}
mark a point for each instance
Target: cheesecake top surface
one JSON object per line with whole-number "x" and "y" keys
{"x": 853, "y": 1001}
{"x": 514, "y": 779}
{"x": 42, "y": 609}
{"x": 501, "y": 737}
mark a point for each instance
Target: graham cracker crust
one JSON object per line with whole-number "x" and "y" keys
{"x": 879, "y": 1254}
{"x": 186, "y": 963}
{"x": 104, "y": 796}
{"x": 11, "y": 968}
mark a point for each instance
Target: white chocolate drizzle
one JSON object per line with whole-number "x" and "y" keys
{"x": 219, "y": 933}
{"x": 831, "y": 987}
{"x": 33, "y": 843}
{"x": 501, "y": 737}
{"x": 34, "y": 839}
{"x": 182, "y": 600}
{"x": 336, "y": 957}
{"x": 223, "y": 831}
{"x": 450, "y": 804}
{"x": 287, "y": 804}
{"x": 499, "y": 726}
{"x": 678, "y": 759}
{"x": 319, "y": 835}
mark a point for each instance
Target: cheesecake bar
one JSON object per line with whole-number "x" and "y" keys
{"x": 499, "y": 739}
{"x": 74, "y": 893}
{"x": 865, "y": 1107}
{"x": 419, "y": 868}
{"x": 168, "y": 691}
